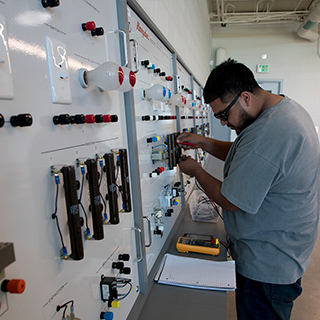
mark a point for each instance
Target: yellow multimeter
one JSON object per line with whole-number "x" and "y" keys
{"x": 198, "y": 243}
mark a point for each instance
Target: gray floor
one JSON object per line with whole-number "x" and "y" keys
{"x": 307, "y": 305}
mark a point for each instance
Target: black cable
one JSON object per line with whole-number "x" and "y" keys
{"x": 54, "y": 216}
{"x": 79, "y": 201}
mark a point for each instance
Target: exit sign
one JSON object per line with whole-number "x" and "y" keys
{"x": 262, "y": 68}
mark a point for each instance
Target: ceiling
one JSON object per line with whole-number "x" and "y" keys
{"x": 246, "y": 12}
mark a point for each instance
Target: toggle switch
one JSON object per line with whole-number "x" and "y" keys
{"x": 88, "y": 26}
{"x": 6, "y": 82}
{"x": 50, "y": 3}
{"x": 13, "y": 286}
{"x": 97, "y": 32}
{"x": 21, "y": 120}
{"x": 61, "y": 119}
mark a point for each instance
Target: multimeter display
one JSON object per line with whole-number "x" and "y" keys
{"x": 198, "y": 243}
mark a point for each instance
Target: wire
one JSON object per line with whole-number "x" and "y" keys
{"x": 161, "y": 145}
{"x": 79, "y": 200}
{"x": 54, "y": 215}
{"x": 123, "y": 296}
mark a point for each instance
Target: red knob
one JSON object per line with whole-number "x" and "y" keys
{"x": 107, "y": 118}
{"x": 90, "y": 118}
{"x": 13, "y": 286}
{"x": 90, "y": 25}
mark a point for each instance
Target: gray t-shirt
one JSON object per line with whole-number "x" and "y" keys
{"x": 272, "y": 175}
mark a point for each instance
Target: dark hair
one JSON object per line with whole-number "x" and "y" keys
{"x": 227, "y": 80}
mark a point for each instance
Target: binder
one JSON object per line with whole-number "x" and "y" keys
{"x": 197, "y": 273}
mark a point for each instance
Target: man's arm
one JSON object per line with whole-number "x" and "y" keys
{"x": 209, "y": 184}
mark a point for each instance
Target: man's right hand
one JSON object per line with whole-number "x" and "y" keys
{"x": 188, "y": 140}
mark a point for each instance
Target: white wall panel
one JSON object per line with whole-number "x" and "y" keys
{"x": 27, "y": 153}
{"x": 150, "y": 48}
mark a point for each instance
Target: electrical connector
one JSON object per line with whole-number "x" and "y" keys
{"x": 64, "y": 253}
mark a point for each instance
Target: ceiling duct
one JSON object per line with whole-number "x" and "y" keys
{"x": 313, "y": 19}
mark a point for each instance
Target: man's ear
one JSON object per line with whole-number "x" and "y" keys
{"x": 245, "y": 95}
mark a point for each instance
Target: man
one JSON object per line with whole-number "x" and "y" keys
{"x": 270, "y": 192}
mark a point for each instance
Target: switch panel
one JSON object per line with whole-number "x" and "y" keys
{"x": 58, "y": 71}
{"x": 6, "y": 82}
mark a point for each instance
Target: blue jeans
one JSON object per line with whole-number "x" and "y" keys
{"x": 264, "y": 301}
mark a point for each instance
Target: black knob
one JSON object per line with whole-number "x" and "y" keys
{"x": 158, "y": 70}
{"x": 145, "y": 118}
{"x": 162, "y": 74}
{"x": 114, "y": 118}
{"x": 61, "y": 119}
{"x": 99, "y": 118}
{"x": 124, "y": 257}
{"x": 77, "y": 119}
{"x": 21, "y": 120}
{"x": 125, "y": 270}
{"x": 145, "y": 63}
{"x": 50, "y": 3}
{"x": 1, "y": 120}
{"x": 97, "y": 32}
{"x": 117, "y": 265}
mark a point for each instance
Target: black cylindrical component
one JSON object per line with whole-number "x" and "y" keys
{"x": 125, "y": 270}
{"x": 77, "y": 119}
{"x": 146, "y": 118}
{"x": 112, "y": 188}
{"x": 74, "y": 223}
{"x": 124, "y": 257}
{"x": 96, "y": 206}
{"x": 97, "y": 32}
{"x": 145, "y": 63}
{"x": 1, "y": 120}
{"x": 50, "y": 3}
{"x": 99, "y": 118}
{"x": 124, "y": 170}
{"x": 162, "y": 74}
{"x": 114, "y": 118}
{"x": 117, "y": 265}
{"x": 170, "y": 151}
{"x": 21, "y": 120}
{"x": 61, "y": 119}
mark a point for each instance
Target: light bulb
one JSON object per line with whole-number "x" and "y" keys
{"x": 167, "y": 95}
{"x": 108, "y": 76}
{"x": 177, "y": 99}
{"x": 190, "y": 104}
{"x": 156, "y": 92}
{"x": 129, "y": 80}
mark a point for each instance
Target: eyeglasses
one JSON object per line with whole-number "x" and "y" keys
{"x": 222, "y": 115}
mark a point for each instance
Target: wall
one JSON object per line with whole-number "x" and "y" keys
{"x": 290, "y": 58}
{"x": 186, "y": 26}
